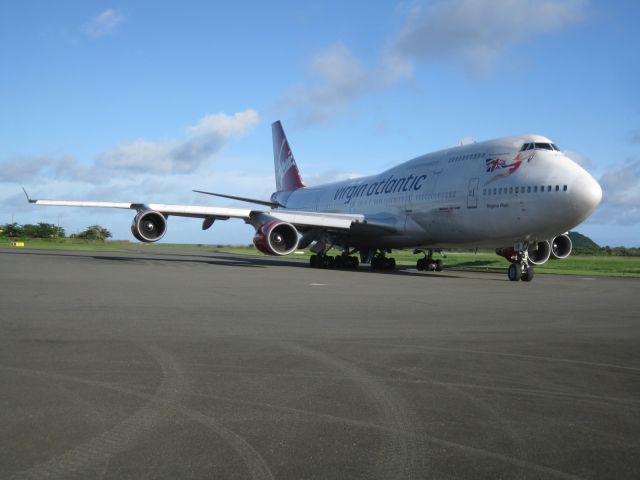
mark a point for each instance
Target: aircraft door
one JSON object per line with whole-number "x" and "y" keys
{"x": 472, "y": 193}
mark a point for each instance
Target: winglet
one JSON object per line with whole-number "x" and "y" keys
{"x": 29, "y": 199}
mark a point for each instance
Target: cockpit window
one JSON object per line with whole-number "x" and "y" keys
{"x": 543, "y": 146}
{"x": 539, "y": 146}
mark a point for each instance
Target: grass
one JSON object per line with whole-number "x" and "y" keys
{"x": 483, "y": 260}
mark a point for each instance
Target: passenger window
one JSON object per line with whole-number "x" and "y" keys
{"x": 564, "y": 189}
{"x": 528, "y": 189}
{"x": 510, "y": 190}
{"x": 516, "y": 190}
{"x": 557, "y": 188}
{"x": 548, "y": 188}
{"x": 535, "y": 189}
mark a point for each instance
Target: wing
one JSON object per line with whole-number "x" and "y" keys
{"x": 332, "y": 221}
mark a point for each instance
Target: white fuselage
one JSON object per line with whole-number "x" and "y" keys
{"x": 485, "y": 194}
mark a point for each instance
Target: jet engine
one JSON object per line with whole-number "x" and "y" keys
{"x": 149, "y": 226}
{"x": 561, "y": 246}
{"x": 537, "y": 254}
{"x": 276, "y": 238}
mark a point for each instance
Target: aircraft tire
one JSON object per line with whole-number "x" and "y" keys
{"x": 328, "y": 261}
{"x": 527, "y": 276}
{"x": 439, "y": 266}
{"x": 515, "y": 272}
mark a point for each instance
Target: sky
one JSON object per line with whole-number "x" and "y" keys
{"x": 144, "y": 101}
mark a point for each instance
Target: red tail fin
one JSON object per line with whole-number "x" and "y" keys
{"x": 287, "y": 173}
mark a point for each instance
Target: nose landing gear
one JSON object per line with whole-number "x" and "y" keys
{"x": 520, "y": 268}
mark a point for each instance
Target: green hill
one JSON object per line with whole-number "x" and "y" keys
{"x": 582, "y": 241}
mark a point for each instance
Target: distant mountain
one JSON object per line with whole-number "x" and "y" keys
{"x": 582, "y": 241}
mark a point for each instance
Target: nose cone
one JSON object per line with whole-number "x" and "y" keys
{"x": 587, "y": 195}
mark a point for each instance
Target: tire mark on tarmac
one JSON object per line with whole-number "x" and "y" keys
{"x": 145, "y": 420}
{"x": 401, "y": 444}
{"x": 499, "y": 354}
{"x": 425, "y": 438}
{"x": 629, "y": 402}
{"x": 101, "y": 464}
{"x": 517, "y": 442}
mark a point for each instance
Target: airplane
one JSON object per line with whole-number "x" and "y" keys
{"x": 520, "y": 194}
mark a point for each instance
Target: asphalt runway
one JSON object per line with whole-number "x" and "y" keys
{"x": 170, "y": 364}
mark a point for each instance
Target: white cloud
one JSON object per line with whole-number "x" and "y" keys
{"x": 42, "y": 167}
{"x": 474, "y": 32}
{"x": 338, "y": 78}
{"x": 580, "y": 159}
{"x": 479, "y": 32}
{"x": 621, "y": 194}
{"x": 200, "y": 142}
{"x": 104, "y": 23}
{"x": 140, "y": 171}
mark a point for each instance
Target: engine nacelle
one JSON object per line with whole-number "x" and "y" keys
{"x": 539, "y": 253}
{"x": 276, "y": 238}
{"x": 561, "y": 246}
{"x": 149, "y": 226}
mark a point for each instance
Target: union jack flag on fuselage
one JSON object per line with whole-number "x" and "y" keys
{"x": 494, "y": 164}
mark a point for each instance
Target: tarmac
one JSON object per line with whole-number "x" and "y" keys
{"x": 168, "y": 364}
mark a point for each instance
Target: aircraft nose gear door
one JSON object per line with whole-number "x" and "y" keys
{"x": 472, "y": 193}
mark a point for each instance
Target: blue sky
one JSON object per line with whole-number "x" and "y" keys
{"x": 144, "y": 101}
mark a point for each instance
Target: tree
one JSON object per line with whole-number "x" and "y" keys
{"x": 95, "y": 232}
{"x": 11, "y": 230}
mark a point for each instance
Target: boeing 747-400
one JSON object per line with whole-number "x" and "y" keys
{"x": 518, "y": 194}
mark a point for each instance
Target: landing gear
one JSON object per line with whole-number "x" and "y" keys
{"x": 428, "y": 263}
{"x": 345, "y": 261}
{"x": 383, "y": 263}
{"x": 348, "y": 260}
{"x": 520, "y": 268}
{"x": 515, "y": 272}
{"x": 377, "y": 258}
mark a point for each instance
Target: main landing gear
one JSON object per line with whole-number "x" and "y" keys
{"x": 344, "y": 260}
{"x": 379, "y": 261}
{"x": 428, "y": 263}
{"x": 520, "y": 268}
{"x": 348, "y": 260}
